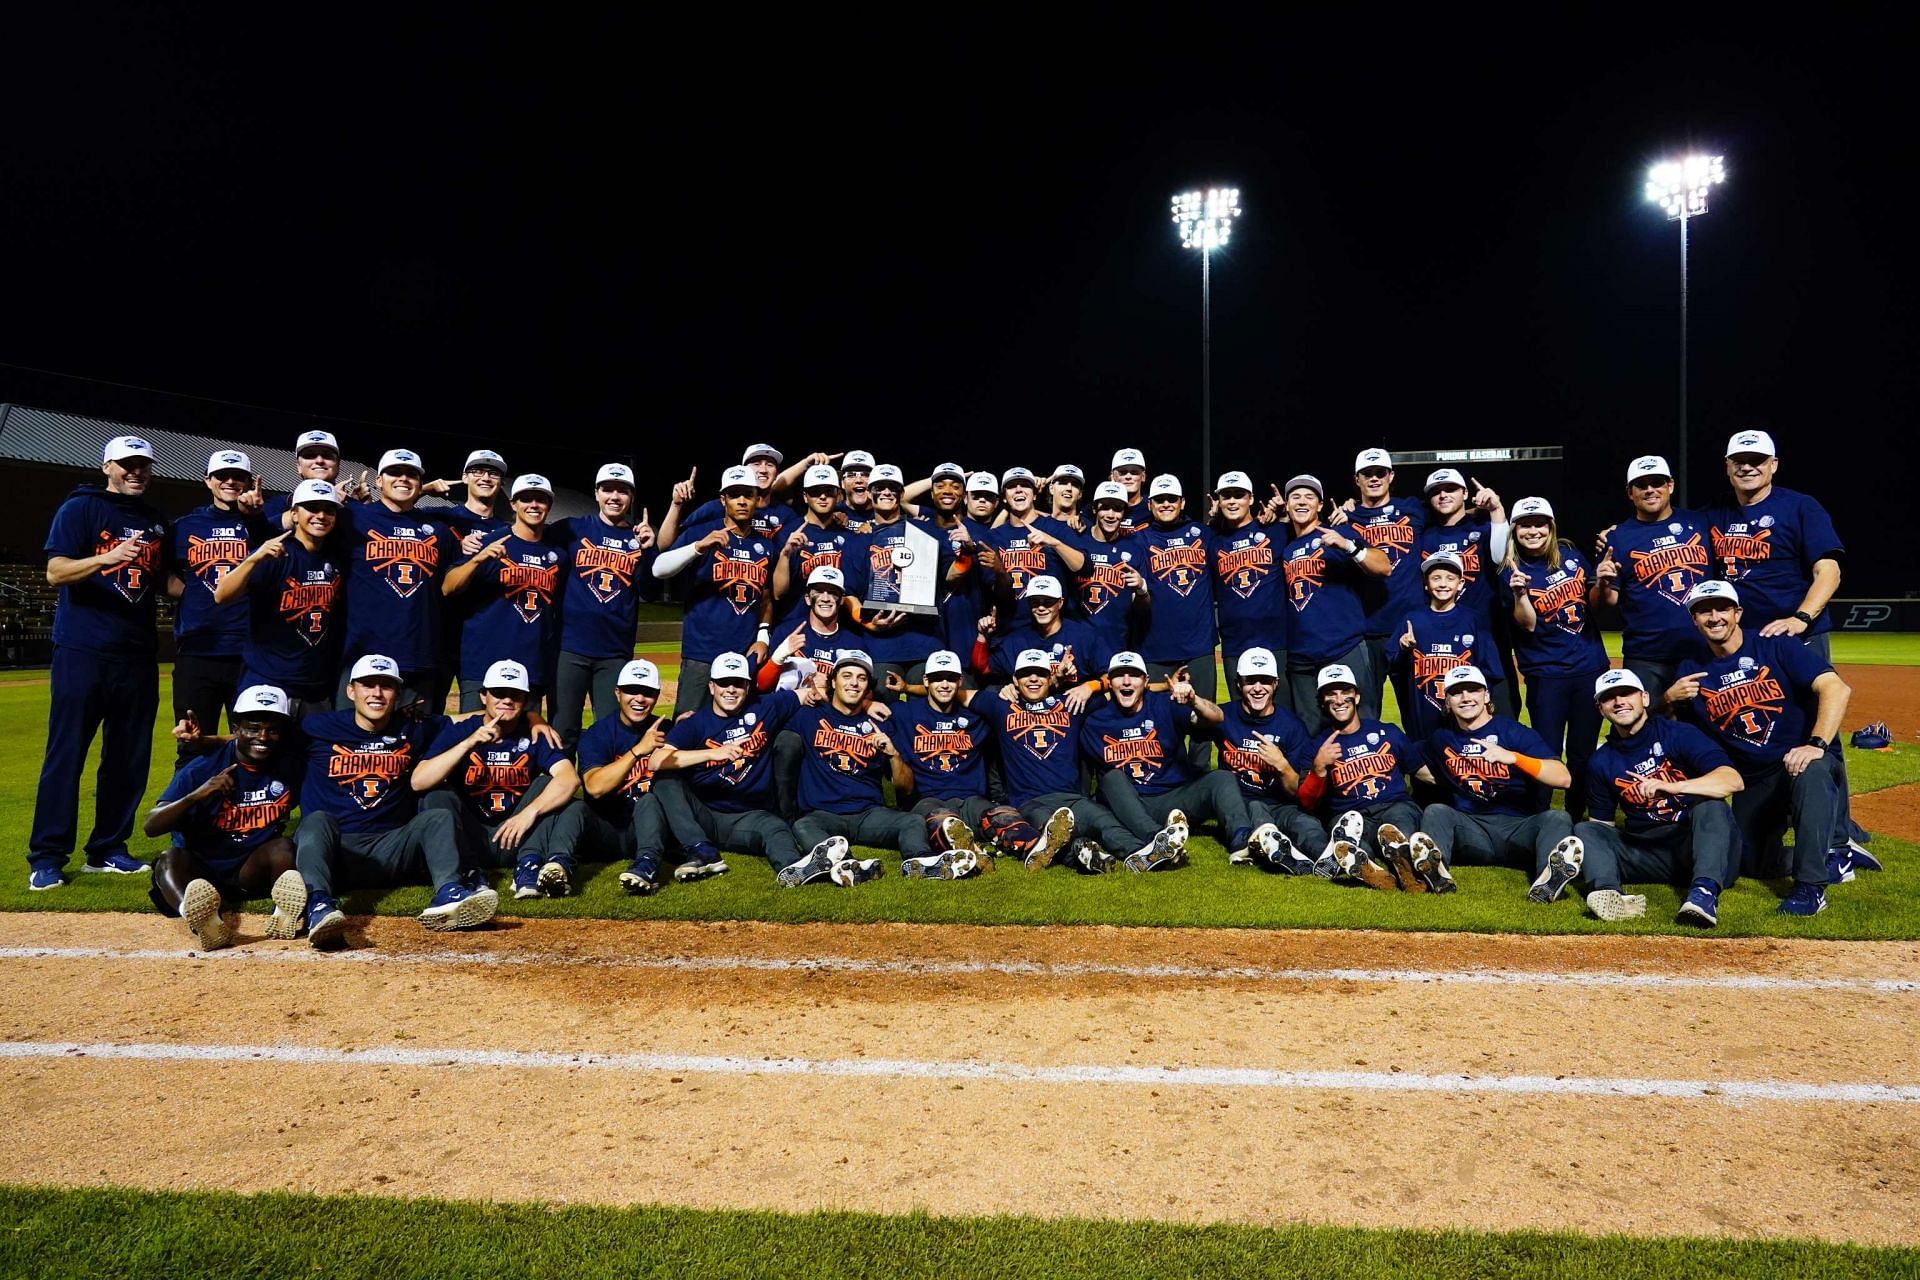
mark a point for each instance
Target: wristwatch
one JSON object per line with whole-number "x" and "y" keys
{"x": 1804, "y": 616}
{"x": 1817, "y": 741}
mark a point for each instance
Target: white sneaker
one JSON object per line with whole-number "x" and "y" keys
{"x": 200, "y": 908}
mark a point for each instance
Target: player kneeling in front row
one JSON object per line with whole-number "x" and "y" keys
{"x": 506, "y": 788}
{"x": 1500, "y": 774}
{"x": 942, "y": 743}
{"x": 1259, "y": 743}
{"x": 361, "y": 824}
{"x": 1360, "y": 775}
{"x": 1137, "y": 739}
{"x": 1672, "y": 784}
{"x": 845, "y": 755}
{"x": 227, "y": 812}
{"x": 621, "y": 816}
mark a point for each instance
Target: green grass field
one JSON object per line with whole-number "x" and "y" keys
{"x": 156, "y": 1236}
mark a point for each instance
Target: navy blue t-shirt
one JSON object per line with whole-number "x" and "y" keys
{"x": 516, "y": 609}
{"x": 1020, "y": 560}
{"x": 361, "y": 777}
{"x": 1072, "y": 639}
{"x": 207, "y": 544}
{"x": 725, "y": 590}
{"x": 605, "y": 571}
{"x": 396, "y": 562}
{"x": 1758, "y": 703}
{"x": 495, "y": 775}
{"x": 1103, "y": 592}
{"x": 297, "y": 610}
{"x": 606, "y": 742}
{"x": 946, "y": 750}
{"x": 1442, "y": 641}
{"x": 1240, "y": 734}
{"x": 841, "y": 766}
{"x": 1393, "y": 528}
{"x": 1768, "y": 551}
{"x": 1180, "y": 580}
{"x": 1322, "y": 587}
{"x": 747, "y": 783}
{"x": 1039, "y": 744}
{"x": 1564, "y": 641}
{"x": 1370, "y": 773}
{"x": 1250, "y": 587}
{"x": 1148, "y": 743}
{"x": 223, "y": 830}
{"x": 1663, "y": 751}
{"x": 1471, "y": 541}
{"x": 1480, "y": 786}
{"x": 1660, "y": 562}
{"x": 112, "y": 611}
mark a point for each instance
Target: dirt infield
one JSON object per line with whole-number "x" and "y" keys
{"x": 1884, "y": 693}
{"x": 1652, "y": 1086}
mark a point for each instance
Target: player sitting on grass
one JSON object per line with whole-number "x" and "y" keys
{"x": 361, "y": 824}
{"x": 1500, "y": 774}
{"x": 227, "y": 813}
{"x": 942, "y": 742}
{"x": 506, "y": 786}
{"x": 1259, "y": 743}
{"x": 621, "y": 817}
{"x": 1671, "y": 782}
{"x": 1360, "y": 775}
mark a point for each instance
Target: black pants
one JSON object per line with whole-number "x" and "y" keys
{"x": 1775, "y": 800}
{"x": 204, "y": 687}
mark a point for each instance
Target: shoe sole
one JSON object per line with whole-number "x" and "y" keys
{"x": 470, "y": 912}
{"x": 1053, "y": 839}
{"x": 289, "y": 907}
{"x": 1611, "y": 904}
{"x": 1350, "y": 827}
{"x": 1428, "y": 862}
{"x": 331, "y": 929}
{"x": 200, "y": 908}
{"x": 958, "y": 835}
{"x": 698, "y": 870}
{"x": 1373, "y": 875}
{"x": 638, "y": 886}
{"x": 808, "y": 870}
{"x": 42, "y": 888}
{"x": 1562, "y": 870}
{"x": 1690, "y": 913}
{"x": 87, "y": 868}
{"x": 554, "y": 881}
{"x": 948, "y": 864}
{"x": 1400, "y": 863}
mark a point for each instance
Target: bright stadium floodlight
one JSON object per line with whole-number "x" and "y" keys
{"x": 1680, "y": 188}
{"x": 1205, "y": 219}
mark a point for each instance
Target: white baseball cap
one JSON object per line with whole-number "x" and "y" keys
{"x": 1017, "y": 475}
{"x": 1110, "y": 491}
{"x": 1044, "y": 585}
{"x": 825, "y": 575}
{"x": 1651, "y": 465}
{"x": 375, "y": 666}
{"x": 1750, "y": 442}
{"x": 1442, "y": 560}
{"x": 1127, "y": 660}
{"x": 261, "y": 699}
{"x": 1333, "y": 674}
{"x": 316, "y": 440}
{"x": 532, "y": 482}
{"x": 1233, "y": 480}
{"x": 507, "y": 674}
{"x": 614, "y": 473}
{"x": 943, "y": 662}
{"x": 401, "y": 460}
{"x": 820, "y": 476}
{"x": 949, "y": 471}
{"x": 1462, "y": 675}
{"x": 1072, "y": 472}
{"x": 1443, "y": 477}
{"x": 982, "y": 482}
{"x": 1618, "y": 678}
{"x": 1128, "y": 458}
{"x": 1257, "y": 662}
{"x": 1032, "y": 660}
{"x": 857, "y": 460}
{"x": 1165, "y": 484}
{"x": 852, "y": 658}
{"x": 729, "y": 666}
{"x": 738, "y": 478}
{"x": 1304, "y": 481}
{"x": 1532, "y": 507}
{"x": 1712, "y": 589}
{"x": 1372, "y": 458}
{"x": 886, "y": 473}
{"x": 228, "y": 460}
{"x": 308, "y": 492}
{"x": 761, "y": 451}
{"x": 485, "y": 458}
{"x": 638, "y": 674}
{"x": 122, "y": 447}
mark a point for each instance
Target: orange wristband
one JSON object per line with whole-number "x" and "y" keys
{"x": 1526, "y": 764}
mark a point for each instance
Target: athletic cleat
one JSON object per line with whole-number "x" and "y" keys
{"x": 555, "y": 880}
{"x": 818, "y": 865}
{"x": 1428, "y": 862}
{"x": 1349, "y": 826}
{"x": 118, "y": 864}
{"x": 1286, "y": 857}
{"x": 1327, "y": 865}
{"x": 1157, "y": 855}
{"x": 200, "y": 908}
{"x": 1053, "y": 839}
{"x": 1089, "y": 859}
{"x": 851, "y": 871}
{"x": 642, "y": 877}
{"x": 702, "y": 861}
{"x": 289, "y": 906}
{"x": 526, "y": 877}
{"x": 1355, "y": 864}
{"x": 958, "y": 834}
{"x": 1839, "y": 866}
{"x": 43, "y": 878}
{"x": 1702, "y": 905}
{"x": 1240, "y": 857}
{"x": 1611, "y": 904}
{"x": 460, "y": 904}
{"x": 326, "y": 923}
{"x": 1177, "y": 830}
{"x": 1862, "y": 860}
{"x": 1263, "y": 840}
{"x": 1399, "y": 860}
{"x": 1805, "y": 900}
{"x": 949, "y": 864}
{"x": 1563, "y": 867}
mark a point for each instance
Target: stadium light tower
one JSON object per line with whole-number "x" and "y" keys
{"x": 1205, "y": 219}
{"x": 1680, "y": 187}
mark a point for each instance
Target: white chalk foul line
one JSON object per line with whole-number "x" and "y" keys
{"x": 1011, "y": 968}
{"x": 1014, "y": 1072}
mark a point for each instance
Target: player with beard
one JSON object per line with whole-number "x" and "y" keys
{"x": 729, "y": 599}
{"x": 1647, "y": 566}
{"x": 227, "y": 812}
{"x": 209, "y": 633}
{"x": 1115, "y": 596}
{"x": 1328, "y": 625}
{"x": 621, "y": 816}
{"x": 1259, "y": 745}
{"x": 607, "y": 556}
{"x": 1249, "y": 587}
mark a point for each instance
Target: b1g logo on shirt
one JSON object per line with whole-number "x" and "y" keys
{"x": 367, "y": 775}
{"x": 307, "y": 607}
{"x": 1672, "y": 567}
{"x": 1243, "y": 569}
{"x": 134, "y": 578}
{"x": 1179, "y": 566}
{"x": 406, "y": 558}
{"x": 1039, "y": 731}
{"x": 498, "y": 777}
{"x": 530, "y": 587}
{"x": 212, "y": 558}
{"x": 1244, "y": 759}
{"x": 1747, "y": 709}
{"x": 943, "y": 750}
{"x": 244, "y": 812}
{"x": 606, "y": 570}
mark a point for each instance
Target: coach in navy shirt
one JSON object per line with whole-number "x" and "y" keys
{"x": 1647, "y": 566}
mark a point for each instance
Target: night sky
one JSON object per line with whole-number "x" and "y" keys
{"x": 662, "y": 242}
